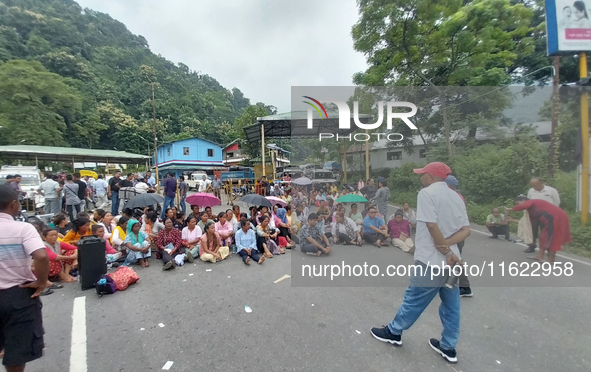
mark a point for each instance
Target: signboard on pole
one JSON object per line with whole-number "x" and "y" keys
{"x": 568, "y": 26}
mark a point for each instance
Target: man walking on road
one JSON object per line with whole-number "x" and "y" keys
{"x": 183, "y": 188}
{"x": 100, "y": 189}
{"x": 50, "y": 189}
{"x": 21, "y": 321}
{"x": 169, "y": 193}
{"x": 442, "y": 222}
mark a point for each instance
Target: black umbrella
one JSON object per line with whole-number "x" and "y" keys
{"x": 256, "y": 199}
{"x": 144, "y": 200}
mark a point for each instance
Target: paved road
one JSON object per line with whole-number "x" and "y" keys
{"x": 315, "y": 329}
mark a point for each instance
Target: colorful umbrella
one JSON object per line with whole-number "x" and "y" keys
{"x": 203, "y": 200}
{"x": 275, "y": 200}
{"x": 351, "y": 198}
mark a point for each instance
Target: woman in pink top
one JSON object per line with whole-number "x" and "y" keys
{"x": 224, "y": 229}
{"x": 112, "y": 254}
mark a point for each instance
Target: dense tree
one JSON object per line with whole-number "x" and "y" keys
{"x": 107, "y": 74}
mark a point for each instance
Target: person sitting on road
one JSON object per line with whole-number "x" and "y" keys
{"x": 60, "y": 223}
{"x": 195, "y": 208}
{"x": 179, "y": 222}
{"x": 209, "y": 213}
{"x": 266, "y": 238}
{"x": 374, "y": 229}
{"x": 191, "y": 236}
{"x": 119, "y": 233}
{"x": 97, "y": 216}
{"x": 138, "y": 245}
{"x": 246, "y": 243}
{"x": 283, "y": 225}
{"x": 209, "y": 247}
{"x": 80, "y": 228}
{"x": 109, "y": 225}
{"x": 355, "y": 215}
{"x": 152, "y": 226}
{"x": 344, "y": 230}
{"x": 497, "y": 224}
{"x": 63, "y": 257}
{"x": 224, "y": 229}
{"x": 203, "y": 219}
{"x": 238, "y": 226}
{"x": 302, "y": 213}
{"x": 111, "y": 254}
{"x": 399, "y": 229}
{"x": 235, "y": 215}
{"x": 169, "y": 246}
{"x": 313, "y": 240}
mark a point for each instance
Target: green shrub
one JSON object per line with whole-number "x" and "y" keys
{"x": 581, "y": 237}
{"x": 566, "y": 184}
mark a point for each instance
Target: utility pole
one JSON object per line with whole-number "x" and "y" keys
{"x": 553, "y": 164}
{"x": 585, "y": 137}
{"x": 155, "y": 138}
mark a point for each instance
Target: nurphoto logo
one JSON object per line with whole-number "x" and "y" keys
{"x": 345, "y": 119}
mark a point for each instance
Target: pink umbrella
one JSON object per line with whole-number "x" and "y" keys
{"x": 274, "y": 200}
{"x": 203, "y": 200}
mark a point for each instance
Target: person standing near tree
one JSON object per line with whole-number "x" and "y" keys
{"x": 539, "y": 190}
{"x": 21, "y": 333}
{"x": 442, "y": 222}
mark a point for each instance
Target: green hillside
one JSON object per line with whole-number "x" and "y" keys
{"x": 75, "y": 77}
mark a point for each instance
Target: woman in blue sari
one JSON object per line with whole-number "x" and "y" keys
{"x": 138, "y": 245}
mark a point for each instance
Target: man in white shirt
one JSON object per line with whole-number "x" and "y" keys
{"x": 203, "y": 185}
{"x": 50, "y": 189}
{"x": 100, "y": 192}
{"x": 141, "y": 187}
{"x": 442, "y": 223}
{"x": 539, "y": 190}
{"x": 150, "y": 180}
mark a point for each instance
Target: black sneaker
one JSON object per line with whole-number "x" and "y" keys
{"x": 530, "y": 248}
{"x": 465, "y": 292}
{"x": 384, "y": 335}
{"x": 449, "y": 355}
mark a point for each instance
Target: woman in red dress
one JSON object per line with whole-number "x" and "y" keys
{"x": 553, "y": 221}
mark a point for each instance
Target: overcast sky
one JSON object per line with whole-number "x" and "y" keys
{"x": 262, "y": 47}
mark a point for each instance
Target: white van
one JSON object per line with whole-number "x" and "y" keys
{"x": 30, "y": 181}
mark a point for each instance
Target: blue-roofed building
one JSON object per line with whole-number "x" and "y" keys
{"x": 188, "y": 155}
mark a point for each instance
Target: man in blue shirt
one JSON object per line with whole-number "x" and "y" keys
{"x": 246, "y": 243}
{"x": 169, "y": 193}
{"x": 374, "y": 229}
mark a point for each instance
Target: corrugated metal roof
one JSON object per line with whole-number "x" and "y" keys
{"x": 69, "y": 154}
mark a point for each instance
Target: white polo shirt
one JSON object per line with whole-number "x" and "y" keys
{"x": 548, "y": 193}
{"x": 18, "y": 241}
{"x": 438, "y": 204}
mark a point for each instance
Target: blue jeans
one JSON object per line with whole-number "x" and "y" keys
{"x": 419, "y": 295}
{"x": 168, "y": 203}
{"x": 115, "y": 203}
{"x": 183, "y": 205}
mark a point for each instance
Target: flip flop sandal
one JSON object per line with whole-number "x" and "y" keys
{"x": 46, "y": 292}
{"x": 534, "y": 258}
{"x": 56, "y": 286}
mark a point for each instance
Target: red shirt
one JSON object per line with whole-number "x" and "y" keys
{"x": 165, "y": 237}
{"x": 396, "y": 228}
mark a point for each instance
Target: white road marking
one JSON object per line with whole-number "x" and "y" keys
{"x": 78, "y": 351}
{"x": 167, "y": 365}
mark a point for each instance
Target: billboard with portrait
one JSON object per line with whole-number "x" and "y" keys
{"x": 568, "y": 26}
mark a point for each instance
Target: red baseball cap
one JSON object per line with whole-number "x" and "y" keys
{"x": 436, "y": 168}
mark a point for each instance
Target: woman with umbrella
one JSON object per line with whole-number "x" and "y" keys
{"x": 554, "y": 222}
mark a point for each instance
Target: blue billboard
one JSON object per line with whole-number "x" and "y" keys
{"x": 568, "y": 26}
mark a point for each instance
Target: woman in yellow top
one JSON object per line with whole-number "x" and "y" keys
{"x": 119, "y": 233}
{"x": 81, "y": 227}
{"x": 334, "y": 189}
